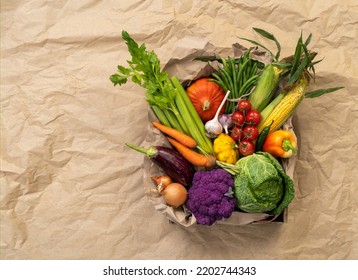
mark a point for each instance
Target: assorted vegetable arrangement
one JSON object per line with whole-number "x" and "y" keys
{"x": 225, "y": 135}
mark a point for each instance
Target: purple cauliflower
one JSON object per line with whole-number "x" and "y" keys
{"x": 209, "y": 197}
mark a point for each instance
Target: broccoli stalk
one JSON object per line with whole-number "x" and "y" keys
{"x": 209, "y": 197}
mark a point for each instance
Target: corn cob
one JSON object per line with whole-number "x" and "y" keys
{"x": 269, "y": 108}
{"x": 265, "y": 88}
{"x": 287, "y": 106}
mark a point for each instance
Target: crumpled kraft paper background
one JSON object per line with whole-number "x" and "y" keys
{"x": 71, "y": 190}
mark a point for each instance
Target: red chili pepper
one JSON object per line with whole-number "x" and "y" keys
{"x": 280, "y": 143}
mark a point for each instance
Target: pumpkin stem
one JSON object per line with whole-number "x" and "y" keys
{"x": 206, "y": 105}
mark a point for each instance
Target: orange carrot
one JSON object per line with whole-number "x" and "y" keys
{"x": 184, "y": 139}
{"x": 193, "y": 157}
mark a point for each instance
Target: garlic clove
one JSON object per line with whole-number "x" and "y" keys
{"x": 213, "y": 127}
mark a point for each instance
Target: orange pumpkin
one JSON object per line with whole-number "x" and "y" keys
{"x": 206, "y": 97}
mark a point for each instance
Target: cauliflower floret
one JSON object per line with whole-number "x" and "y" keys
{"x": 209, "y": 197}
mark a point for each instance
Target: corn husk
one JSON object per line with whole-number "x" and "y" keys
{"x": 265, "y": 88}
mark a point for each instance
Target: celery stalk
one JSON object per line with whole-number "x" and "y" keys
{"x": 173, "y": 121}
{"x": 193, "y": 130}
{"x": 178, "y": 115}
{"x": 191, "y": 116}
{"x": 160, "y": 115}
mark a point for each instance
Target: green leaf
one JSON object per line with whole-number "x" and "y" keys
{"x": 297, "y": 56}
{"x": 270, "y": 36}
{"x": 264, "y": 33}
{"x": 315, "y": 62}
{"x": 307, "y": 54}
{"x": 299, "y": 71}
{"x": 308, "y": 40}
{"x": 319, "y": 92}
{"x": 258, "y": 44}
{"x": 136, "y": 78}
{"x": 118, "y": 79}
{"x": 124, "y": 70}
{"x": 282, "y": 64}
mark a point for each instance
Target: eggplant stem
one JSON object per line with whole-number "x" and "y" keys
{"x": 150, "y": 152}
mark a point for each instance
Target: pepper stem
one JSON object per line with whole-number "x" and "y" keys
{"x": 150, "y": 152}
{"x": 287, "y": 146}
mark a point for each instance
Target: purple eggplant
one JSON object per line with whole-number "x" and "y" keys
{"x": 172, "y": 163}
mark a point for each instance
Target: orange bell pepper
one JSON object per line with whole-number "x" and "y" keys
{"x": 280, "y": 143}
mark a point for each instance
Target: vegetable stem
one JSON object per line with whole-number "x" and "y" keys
{"x": 194, "y": 131}
{"x": 173, "y": 122}
{"x": 160, "y": 115}
{"x": 197, "y": 129}
{"x": 287, "y": 146}
{"x": 228, "y": 167}
{"x": 150, "y": 152}
{"x": 180, "y": 119}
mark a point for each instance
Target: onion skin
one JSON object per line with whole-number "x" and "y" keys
{"x": 175, "y": 194}
{"x": 161, "y": 181}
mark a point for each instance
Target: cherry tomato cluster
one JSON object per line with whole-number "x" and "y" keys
{"x": 244, "y": 131}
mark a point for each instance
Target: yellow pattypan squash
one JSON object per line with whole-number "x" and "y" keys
{"x": 225, "y": 149}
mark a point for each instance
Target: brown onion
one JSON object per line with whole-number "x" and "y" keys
{"x": 161, "y": 181}
{"x": 174, "y": 194}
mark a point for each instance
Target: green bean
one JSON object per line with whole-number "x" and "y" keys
{"x": 248, "y": 85}
{"x": 219, "y": 81}
{"x": 236, "y": 75}
{"x": 233, "y": 70}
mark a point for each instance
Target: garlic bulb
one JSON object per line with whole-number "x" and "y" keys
{"x": 213, "y": 127}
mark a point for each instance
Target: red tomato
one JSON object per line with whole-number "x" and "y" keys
{"x": 244, "y": 106}
{"x": 253, "y": 117}
{"x": 236, "y": 133}
{"x": 246, "y": 147}
{"x": 238, "y": 118}
{"x": 250, "y": 132}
